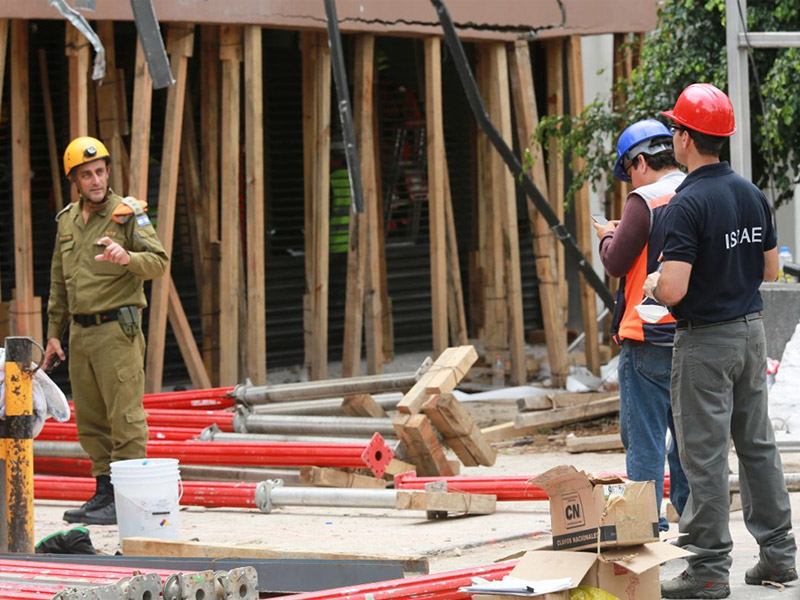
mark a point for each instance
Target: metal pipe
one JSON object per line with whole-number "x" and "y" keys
{"x": 329, "y": 388}
{"x": 376, "y": 455}
{"x": 221, "y": 473}
{"x": 245, "y": 422}
{"x": 191, "y": 399}
{"x": 271, "y": 494}
{"x": 210, "y": 434}
{"x": 324, "y": 406}
{"x": 68, "y": 432}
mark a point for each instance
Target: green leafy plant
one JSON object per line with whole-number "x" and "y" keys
{"x": 688, "y": 46}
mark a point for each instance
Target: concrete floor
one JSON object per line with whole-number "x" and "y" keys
{"x": 455, "y": 543}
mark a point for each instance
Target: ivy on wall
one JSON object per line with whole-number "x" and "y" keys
{"x": 688, "y": 46}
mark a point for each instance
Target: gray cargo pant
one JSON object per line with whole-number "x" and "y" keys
{"x": 719, "y": 393}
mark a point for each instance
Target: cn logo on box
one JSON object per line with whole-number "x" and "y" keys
{"x": 573, "y": 510}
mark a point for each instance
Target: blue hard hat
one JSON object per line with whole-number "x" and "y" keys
{"x": 640, "y": 138}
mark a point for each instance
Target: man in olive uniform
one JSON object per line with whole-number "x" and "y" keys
{"x": 105, "y": 248}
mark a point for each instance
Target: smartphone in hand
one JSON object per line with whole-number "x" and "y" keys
{"x": 600, "y": 219}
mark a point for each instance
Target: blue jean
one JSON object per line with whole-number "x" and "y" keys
{"x": 644, "y": 417}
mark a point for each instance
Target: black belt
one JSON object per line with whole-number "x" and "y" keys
{"x": 697, "y": 323}
{"x": 95, "y": 319}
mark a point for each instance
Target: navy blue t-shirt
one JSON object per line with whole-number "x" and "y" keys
{"x": 721, "y": 224}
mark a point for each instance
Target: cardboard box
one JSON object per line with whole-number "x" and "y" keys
{"x": 631, "y": 573}
{"x": 624, "y": 513}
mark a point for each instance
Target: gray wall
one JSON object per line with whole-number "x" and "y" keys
{"x": 781, "y": 314}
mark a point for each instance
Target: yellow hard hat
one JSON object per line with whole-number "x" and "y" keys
{"x": 82, "y": 150}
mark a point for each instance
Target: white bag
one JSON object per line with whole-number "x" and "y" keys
{"x": 48, "y": 399}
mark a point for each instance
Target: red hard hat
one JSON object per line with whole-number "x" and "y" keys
{"x": 704, "y": 108}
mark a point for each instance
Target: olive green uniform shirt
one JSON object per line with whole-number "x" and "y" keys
{"x": 81, "y": 285}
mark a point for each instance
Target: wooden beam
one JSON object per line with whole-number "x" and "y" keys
{"x": 107, "y": 108}
{"x": 362, "y": 405}
{"x": 555, "y": 165}
{"x": 373, "y": 280}
{"x": 422, "y": 445}
{"x": 327, "y": 477}
{"x": 459, "y": 430}
{"x": 140, "y": 129}
{"x": 26, "y": 315}
{"x": 186, "y": 342}
{"x": 209, "y": 156}
{"x": 583, "y": 226}
{"x": 52, "y": 148}
{"x": 140, "y": 546}
{"x": 254, "y": 149}
{"x": 445, "y": 374}
{"x": 316, "y": 150}
{"x": 383, "y": 283}
{"x": 180, "y": 43}
{"x": 437, "y": 228}
{"x": 505, "y": 193}
{"x": 230, "y": 52}
{"x": 594, "y": 443}
{"x": 544, "y": 242}
{"x": 564, "y": 416}
{"x": 77, "y": 51}
{"x": 443, "y": 502}
{"x": 456, "y": 315}
{"x": 495, "y": 322}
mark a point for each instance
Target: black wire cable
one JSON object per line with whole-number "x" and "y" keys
{"x": 513, "y": 163}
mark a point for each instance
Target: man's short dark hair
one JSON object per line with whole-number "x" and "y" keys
{"x": 709, "y": 145}
{"x": 661, "y": 161}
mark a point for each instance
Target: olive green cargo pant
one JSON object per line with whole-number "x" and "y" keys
{"x": 106, "y": 369}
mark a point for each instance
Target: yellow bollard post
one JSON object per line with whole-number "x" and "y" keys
{"x": 17, "y": 431}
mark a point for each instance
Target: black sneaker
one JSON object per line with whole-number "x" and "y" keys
{"x": 761, "y": 574}
{"x": 103, "y": 495}
{"x": 102, "y": 516}
{"x": 686, "y": 586}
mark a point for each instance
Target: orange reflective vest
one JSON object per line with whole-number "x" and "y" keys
{"x": 627, "y": 324}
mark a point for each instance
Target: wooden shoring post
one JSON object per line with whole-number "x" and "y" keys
{"x": 180, "y": 43}
{"x": 495, "y": 319}
{"x": 374, "y": 277}
{"x": 52, "y": 148}
{"x": 505, "y": 195}
{"x": 107, "y": 108}
{"x": 355, "y": 303}
{"x": 456, "y": 314}
{"x": 77, "y": 51}
{"x": 209, "y": 157}
{"x": 186, "y": 343}
{"x": 583, "y": 227}
{"x": 555, "y": 165}
{"x": 230, "y": 53}
{"x": 479, "y": 256}
{"x": 26, "y": 316}
{"x": 544, "y": 242}
{"x": 254, "y": 149}
{"x": 386, "y": 301}
{"x": 140, "y": 129}
{"x": 434, "y": 134}
{"x": 3, "y": 51}
{"x": 316, "y": 152}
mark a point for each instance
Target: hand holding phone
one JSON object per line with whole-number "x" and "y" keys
{"x": 600, "y": 219}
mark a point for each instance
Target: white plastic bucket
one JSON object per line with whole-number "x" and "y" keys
{"x": 147, "y": 493}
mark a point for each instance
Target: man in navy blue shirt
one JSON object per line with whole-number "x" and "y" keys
{"x": 720, "y": 245}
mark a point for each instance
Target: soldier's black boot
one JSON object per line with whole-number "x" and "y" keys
{"x": 103, "y": 496}
{"x": 107, "y": 515}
